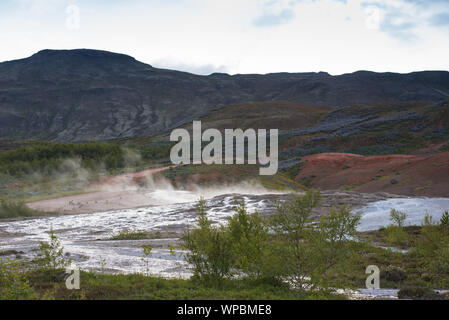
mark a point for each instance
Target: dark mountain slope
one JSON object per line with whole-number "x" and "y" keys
{"x": 77, "y": 95}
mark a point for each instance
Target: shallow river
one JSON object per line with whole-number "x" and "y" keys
{"x": 85, "y": 236}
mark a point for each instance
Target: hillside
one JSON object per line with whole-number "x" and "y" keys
{"x": 396, "y": 174}
{"x": 80, "y": 95}
{"x": 384, "y": 128}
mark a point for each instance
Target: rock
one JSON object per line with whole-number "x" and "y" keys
{"x": 394, "y": 181}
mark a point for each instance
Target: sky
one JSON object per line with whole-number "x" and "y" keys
{"x": 238, "y": 36}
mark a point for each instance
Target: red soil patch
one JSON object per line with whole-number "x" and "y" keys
{"x": 127, "y": 179}
{"x": 199, "y": 178}
{"x": 400, "y": 174}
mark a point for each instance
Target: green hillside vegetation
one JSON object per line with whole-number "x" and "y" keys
{"x": 15, "y": 209}
{"x": 36, "y": 170}
{"x": 48, "y": 157}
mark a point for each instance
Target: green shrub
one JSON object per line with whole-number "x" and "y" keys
{"x": 13, "y": 284}
{"x": 307, "y": 252}
{"x": 50, "y": 255}
{"x": 210, "y": 249}
{"x": 292, "y": 221}
{"x": 418, "y": 293}
{"x": 394, "y": 274}
{"x": 13, "y": 209}
{"x": 432, "y": 246}
{"x": 444, "y": 221}
{"x": 440, "y": 262}
{"x": 395, "y": 236}
{"x": 248, "y": 235}
{"x": 127, "y": 234}
{"x": 432, "y": 239}
{"x": 398, "y": 217}
{"x": 46, "y": 158}
{"x": 332, "y": 238}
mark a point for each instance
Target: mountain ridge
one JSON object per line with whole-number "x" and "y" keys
{"x": 85, "y": 94}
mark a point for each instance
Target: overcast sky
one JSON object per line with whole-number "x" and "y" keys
{"x": 238, "y": 36}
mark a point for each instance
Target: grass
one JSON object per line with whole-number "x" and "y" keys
{"x": 8, "y": 252}
{"x": 369, "y": 251}
{"x": 14, "y": 209}
{"x": 348, "y": 187}
{"x": 130, "y": 235}
{"x": 96, "y": 286}
{"x": 350, "y": 274}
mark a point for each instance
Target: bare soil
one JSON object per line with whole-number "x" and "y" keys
{"x": 409, "y": 175}
{"x": 115, "y": 193}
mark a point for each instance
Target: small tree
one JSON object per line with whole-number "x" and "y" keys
{"x": 249, "y": 239}
{"x": 332, "y": 240}
{"x": 431, "y": 238}
{"x": 210, "y": 251}
{"x": 339, "y": 225}
{"x": 433, "y": 247}
{"x": 297, "y": 259}
{"x": 309, "y": 250}
{"x": 394, "y": 233}
{"x": 398, "y": 217}
{"x": 147, "y": 251}
{"x": 51, "y": 254}
{"x": 444, "y": 221}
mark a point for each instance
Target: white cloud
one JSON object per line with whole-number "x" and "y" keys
{"x": 204, "y": 36}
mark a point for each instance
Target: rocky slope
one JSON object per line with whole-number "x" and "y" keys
{"x": 79, "y": 95}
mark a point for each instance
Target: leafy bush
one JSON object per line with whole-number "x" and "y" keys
{"x": 433, "y": 247}
{"x": 398, "y": 217}
{"x": 433, "y": 237}
{"x": 49, "y": 157}
{"x": 156, "y": 150}
{"x": 418, "y": 293}
{"x": 395, "y": 236}
{"x": 129, "y": 235}
{"x": 339, "y": 225}
{"x": 13, "y": 284}
{"x": 248, "y": 235}
{"x": 13, "y": 209}
{"x": 292, "y": 221}
{"x": 394, "y": 274}
{"x": 240, "y": 247}
{"x": 210, "y": 251}
{"x": 307, "y": 252}
{"x": 444, "y": 221}
{"x": 51, "y": 254}
{"x": 440, "y": 263}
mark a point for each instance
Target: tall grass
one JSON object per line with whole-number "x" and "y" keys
{"x": 14, "y": 209}
{"x": 129, "y": 235}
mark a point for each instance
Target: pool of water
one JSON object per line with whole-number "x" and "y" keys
{"x": 377, "y": 214}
